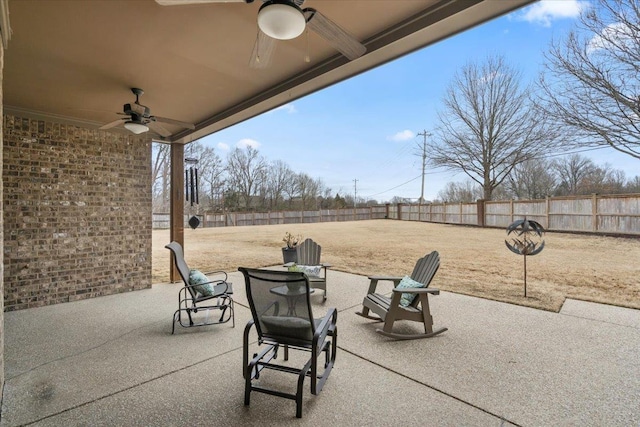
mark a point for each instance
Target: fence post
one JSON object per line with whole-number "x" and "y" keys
{"x": 480, "y": 212}
{"x": 548, "y": 208}
{"x": 444, "y": 212}
{"x": 400, "y": 211}
{"x": 511, "y": 209}
{"x": 594, "y": 210}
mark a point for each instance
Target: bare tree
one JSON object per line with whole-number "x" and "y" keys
{"x": 633, "y": 185}
{"x": 161, "y": 176}
{"x": 590, "y": 84}
{"x": 487, "y": 126}
{"x": 572, "y": 172}
{"x": 308, "y": 189}
{"x": 245, "y": 169}
{"x": 532, "y": 179}
{"x": 279, "y": 174}
{"x": 604, "y": 180}
{"x": 466, "y": 191}
{"x": 212, "y": 178}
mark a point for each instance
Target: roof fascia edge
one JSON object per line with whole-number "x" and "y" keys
{"x": 380, "y": 49}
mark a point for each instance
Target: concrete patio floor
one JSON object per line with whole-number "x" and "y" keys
{"x": 113, "y": 361}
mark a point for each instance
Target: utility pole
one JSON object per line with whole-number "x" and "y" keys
{"x": 424, "y": 161}
{"x": 355, "y": 193}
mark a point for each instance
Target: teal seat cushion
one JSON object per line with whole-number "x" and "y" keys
{"x": 309, "y": 270}
{"x": 407, "y": 282}
{"x": 202, "y": 286}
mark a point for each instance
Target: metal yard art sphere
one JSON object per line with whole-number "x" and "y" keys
{"x": 526, "y": 240}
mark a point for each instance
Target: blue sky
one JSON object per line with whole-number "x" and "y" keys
{"x": 366, "y": 128}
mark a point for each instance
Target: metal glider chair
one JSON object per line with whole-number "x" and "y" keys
{"x": 282, "y": 317}
{"x": 203, "y": 296}
{"x": 408, "y": 301}
{"x": 308, "y": 256}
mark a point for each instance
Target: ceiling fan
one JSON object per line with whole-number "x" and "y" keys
{"x": 139, "y": 116}
{"x": 286, "y": 20}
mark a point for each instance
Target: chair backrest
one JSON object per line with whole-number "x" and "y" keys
{"x": 308, "y": 253}
{"x": 181, "y": 264}
{"x": 280, "y": 305}
{"x": 426, "y": 268}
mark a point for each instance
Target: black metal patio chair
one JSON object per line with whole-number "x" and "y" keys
{"x": 200, "y": 294}
{"x": 282, "y": 316}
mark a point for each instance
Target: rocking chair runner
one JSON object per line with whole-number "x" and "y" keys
{"x": 191, "y": 301}
{"x": 282, "y": 316}
{"x": 390, "y": 309}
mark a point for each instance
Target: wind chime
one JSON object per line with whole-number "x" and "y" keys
{"x": 191, "y": 187}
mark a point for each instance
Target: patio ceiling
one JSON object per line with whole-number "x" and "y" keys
{"x": 75, "y": 61}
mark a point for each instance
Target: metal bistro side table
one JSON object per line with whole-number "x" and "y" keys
{"x": 291, "y": 295}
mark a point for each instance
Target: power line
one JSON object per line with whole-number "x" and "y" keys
{"x": 445, "y": 171}
{"x": 397, "y": 186}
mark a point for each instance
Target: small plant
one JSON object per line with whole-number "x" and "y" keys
{"x": 292, "y": 241}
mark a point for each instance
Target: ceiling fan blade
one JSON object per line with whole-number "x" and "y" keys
{"x": 337, "y": 37}
{"x": 113, "y": 124}
{"x": 173, "y": 122}
{"x": 182, "y": 2}
{"x": 262, "y": 51}
{"x": 159, "y": 129}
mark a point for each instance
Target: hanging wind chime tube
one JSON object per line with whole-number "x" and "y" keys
{"x": 191, "y": 181}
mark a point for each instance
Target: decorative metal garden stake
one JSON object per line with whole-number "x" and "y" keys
{"x": 191, "y": 181}
{"x": 522, "y": 243}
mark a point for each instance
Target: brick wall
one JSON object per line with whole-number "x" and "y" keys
{"x": 77, "y": 212}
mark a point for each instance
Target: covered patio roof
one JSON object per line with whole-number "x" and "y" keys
{"x": 76, "y": 62}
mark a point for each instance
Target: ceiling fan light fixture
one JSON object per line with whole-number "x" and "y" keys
{"x": 281, "y": 19}
{"x": 136, "y": 127}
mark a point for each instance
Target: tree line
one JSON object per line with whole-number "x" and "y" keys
{"x": 244, "y": 181}
{"x": 571, "y": 175}
{"x": 491, "y": 127}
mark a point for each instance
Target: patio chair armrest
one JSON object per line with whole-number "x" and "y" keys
{"x": 245, "y": 343}
{"x": 326, "y": 265}
{"x": 391, "y": 278}
{"x": 375, "y": 279}
{"x": 324, "y": 327}
{"x": 224, "y": 273}
{"x": 215, "y": 282}
{"x": 433, "y": 291}
{"x": 228, "y": 289}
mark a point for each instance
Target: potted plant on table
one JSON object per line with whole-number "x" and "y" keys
{"x": 289, "y": 253}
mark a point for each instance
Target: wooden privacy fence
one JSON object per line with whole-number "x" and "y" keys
{"x": 161, "y": 220}
{"x": 606, "y": 214}
{"x": 610, "y": 214}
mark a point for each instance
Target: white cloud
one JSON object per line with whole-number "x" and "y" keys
{"x": 545, "y": 11}
{"x": 404, "y": 135}
{"x": 289, "y": 108}
{"x": 613, "y": 35}
{"x": 223, "y": 146}
{"x": 248, "y": 142}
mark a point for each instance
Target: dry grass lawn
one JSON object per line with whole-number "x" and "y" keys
{"x": 474, "y": 261}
